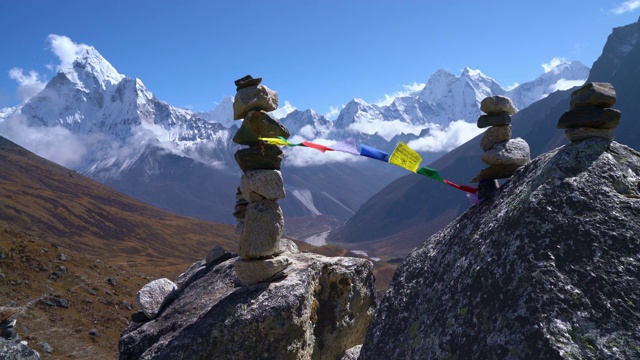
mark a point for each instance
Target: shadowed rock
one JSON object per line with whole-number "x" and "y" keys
{"x": 590, "y": 116}
{"x": 259, "y": 124}
{"x": 494, "y": 120}
{"x": 259, "y": 157}
{"x": 547, "y": 268}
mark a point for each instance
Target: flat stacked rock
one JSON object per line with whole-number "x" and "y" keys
{"x": 260, "y": 219}
{"x": 503, "y": 154}
{"x": 590, "y": 114}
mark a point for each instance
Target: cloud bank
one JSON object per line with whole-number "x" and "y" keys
{"x": 446, "y": 139}
{"x": 553, "y": 63}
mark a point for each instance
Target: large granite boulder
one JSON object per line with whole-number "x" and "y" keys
{"x": 318, "y": 311}
{"x": 11, "y": 350}
{"x": 547, "y": 267}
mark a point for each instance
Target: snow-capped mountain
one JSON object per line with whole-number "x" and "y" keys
{"x": 183, "y": 161}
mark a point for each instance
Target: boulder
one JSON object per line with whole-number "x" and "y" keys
{"x": 494, "y": 120}
{"x": 259, "y": 157}
{"x": 11, "y": 350}
{"x": 596, "y": 94}
{"x": 259, "y": 124}
{"x": 263, "y": 226}
{"x": 318, "y": 311}
{"x": 266, "y": 183}
{"x": 547, "y": 268}
{"x": 495, "y": 135}
{"x": 579, "y": 134}
{"x": 214, "y": 254}
{"x": 498, "y": 104}
{"x": 154, "y": 295}
{"x": 590, "y": 116}
{"x": 256, "y": 97}
{"x": 512, "y": 152}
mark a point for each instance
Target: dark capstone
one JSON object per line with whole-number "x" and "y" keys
{"x": 247, "y": 81}
{"x": 259, "y": 124}
{"x": 494, "y": 119}
{"x": 591, "y": 117}
{"x": 259, "y": 157}
{"x": 486, "y": 187}
{"x": 496, "y": 172}
{"x": 601, "y": 95}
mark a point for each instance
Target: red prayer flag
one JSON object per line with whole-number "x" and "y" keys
{"x": 316, "y": 146}
{"x": 468, "y": 189}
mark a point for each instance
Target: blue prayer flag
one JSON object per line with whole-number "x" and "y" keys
{"x": 374, "y": 153}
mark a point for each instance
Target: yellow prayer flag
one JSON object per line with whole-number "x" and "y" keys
{"x": 405, "y": 157}
{"x": 275, "y": 141}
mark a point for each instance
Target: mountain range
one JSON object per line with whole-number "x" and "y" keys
{"x": 110, "y": 127}
{"x": 410, "y": 209}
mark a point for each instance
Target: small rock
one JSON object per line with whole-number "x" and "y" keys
{"x": 62, "y": 268}
{"x": 257, "y": 97}
{"x": 47, "y": 302}
{"x": 352, "y": 354}
{"x": 55, "y": 275}
{"x": 498, "y": 104}
{"x": 259, "y": 157}
{"x": 495, "y": 135}
{"x": 214, "y": 254}
{"x": 247, "y": 81}
{"x": 259, "y": 124}
{"x": 88, "y": 301}
{"x": 512, "y": 152}
{"x": 92, "y": 292}
{"x": 154, "y": 295}
{"x": 579, "y": 134}
{"x": 108, "y": 292}
{"x": 255, "y": 271}
{"x": 112, "y": 281}
{"x": 266, "y": 183}
{"x": 596, "y": 94}
{"x": 62, "y": 257}
{"x": 590, "y": 116}
{"x": 63, "y": 303}
{"x": 46, "y": 347}
{"x": 494, "y": 119}
{"x": 127, "y": 305}
{"x": 93, "y": 332}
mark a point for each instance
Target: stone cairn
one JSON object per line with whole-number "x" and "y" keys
{"x": 503, "y": 154}
{"x": 590, "y": 114}
{"x": 260, "y": 219}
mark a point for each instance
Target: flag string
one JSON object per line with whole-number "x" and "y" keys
{"x": 402, "y": 156}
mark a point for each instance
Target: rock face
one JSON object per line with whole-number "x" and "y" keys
{"x": 10, "y": 350}
{"x": 318, "y": 311}
{"x": 547, "y": 267}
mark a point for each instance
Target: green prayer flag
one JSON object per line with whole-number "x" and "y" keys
{"x": 430, "y": 173}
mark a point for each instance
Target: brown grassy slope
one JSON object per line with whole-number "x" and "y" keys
{"x": 44, "y": 199}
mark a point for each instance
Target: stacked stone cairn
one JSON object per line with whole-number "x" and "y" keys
{"x": 590, "y": 114}
{"x": 260, "y": 219}
{"x": 503, "y": 154}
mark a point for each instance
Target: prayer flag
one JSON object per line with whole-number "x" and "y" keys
{"x": 462, "y": 187}
{"x": 405, "y": 157}
{"x": 374, "y": 153}
{"x": 275, "y": 141}
{"x": 473, "y": 198}
{"x": 316, "y": 146}
{"x": 348, "y": 146}
{"x": 430, "y": 173}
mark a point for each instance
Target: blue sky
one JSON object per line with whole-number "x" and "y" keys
{"x": 315, "y": 54}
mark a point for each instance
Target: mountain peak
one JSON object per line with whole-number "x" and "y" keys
{"x": 90, "y": 66}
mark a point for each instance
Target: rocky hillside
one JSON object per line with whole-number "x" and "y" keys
{"x": 547, "y": 267}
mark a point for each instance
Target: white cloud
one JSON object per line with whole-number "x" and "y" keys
{"x": 56, "y": 144}
{"x": 553, "y": 63}
{"x": 28, "y": 84}
{"x": 302, "y": 156}
{"x": 625, "y": 7}
{"x": 386, "y": 129}
{"x": 457, "y": 133}
{"x": 564, "y": 84}
{"x": 283, "y": 111}
{"x": 512, "y": 86}
{"x": 65, "y": 49}
{"x": 408, "y": 90}
{"x": 333, "y": 112}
